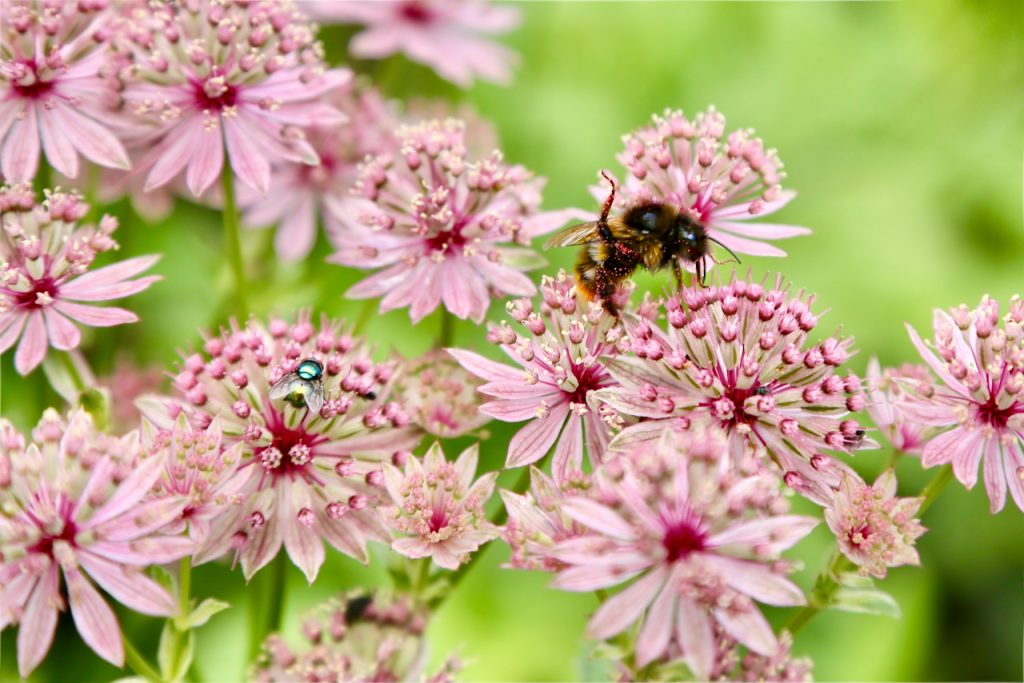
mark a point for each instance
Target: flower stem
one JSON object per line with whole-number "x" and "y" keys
{"x": 265, "y": 605}
{"x": 447, "y": 334}
{"x": 137, "y": 662}
{"x": 932, "y": 490}
{"x": 233, "y": 239}
{"x": 184, "y": 584}
{"x": 827, "y": 583}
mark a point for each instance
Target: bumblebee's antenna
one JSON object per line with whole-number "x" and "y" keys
{"x": 611, "y": 197}
{"x": 731, "y": 252}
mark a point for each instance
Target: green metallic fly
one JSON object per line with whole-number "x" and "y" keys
{"x": 302, "y": 387}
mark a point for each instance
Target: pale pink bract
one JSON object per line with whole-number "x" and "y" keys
{"x": 449, "y": 36}
{"x": 303, "y": 478}
{"x": 437, "y": 508}
{"x": 889, "y": 391}
{"x": 980, "y": 362}
{"x": 440, "y": 395}
{"x": 702, "y": 541}
{"x": 209, "y": 78}
{"x": 44, "y": 256}
{"x": 74, "y": 507}
{"x": 54, "y": 93}
{"x": 442, "y": 228}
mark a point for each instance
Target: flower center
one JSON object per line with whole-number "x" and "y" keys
{"x": 588, "y": 379}
{"x": 682, "y": 538}
{"x": 42, "y": 293}
{"x": 445, "y": 240}
{"x": 415, "y": 12}
{"x": 290, "y": 452}
{"x": 214, "y": 94}
{"x": 438, "y": 520}
{"x": 27, "y": 83}
{"x": 990, "y": 413}
{"x": 45, "y": 544}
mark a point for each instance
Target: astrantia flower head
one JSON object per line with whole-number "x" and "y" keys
{"x": 440, "y": 396}
{"x": 300, "y": 194}
{"x": 437, "y": 508}
{"x": 741, "y": 355}
{"x": 53, "y": 92}
{"x": 889, "y": 391}
{"x": 536, "y": 521}
{"x": 779, "y": 667}
{"x": 72, "y": 505}
{"x": 358, "y": 637}
{"x": 240, "y": 75}
{"x": 875, "y": 529}
{"x": 721, "y": 181}
{"x": 44, "y": 256}
{"x": 980, "y": 362}
{"x": 450, "y": 36}
{"x": 702, "y": 542}
{"x": 305, "y": 477}
{"x": 443, "y": 228}
{"x": 197, "y": 467}
{"x": 561, "y": 355}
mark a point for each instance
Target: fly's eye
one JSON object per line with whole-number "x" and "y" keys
{"x": 648, "y": 221}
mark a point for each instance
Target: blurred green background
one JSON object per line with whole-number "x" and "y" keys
{"x": 902, "y": 128}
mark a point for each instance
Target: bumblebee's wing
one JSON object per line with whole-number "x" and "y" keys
{"x": 283, "y": 387}
{"x": 576, "y": 234}
{"x": 315, "y": 398}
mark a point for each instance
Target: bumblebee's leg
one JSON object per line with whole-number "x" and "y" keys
{"x": 604, "y": 287}
{"x": 701, "y": 272}
{"x": 677, "y": 270}
{"x": 606, "y": 209}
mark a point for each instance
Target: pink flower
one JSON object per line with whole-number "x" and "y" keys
{"x": 981, "y": 364}
{"x": 438, "y": 508}
{"x": 561, "y": 369}
{"x": 305, "y": 477}
{"x": 874, "y": 528}
{"x": 443, "y": 228}
{"x": 739, "y": 355}
{"x": 44, "y": 256}
{"x": 779, "y": 667}
{"x": 723, "y": 182}
{"x": 74, "y": 506}
{"x": 300, "y": 193}
{"x": 889, "y": 391}
{"x": 440, "y": 396}
{"x": 53, "y": 91}
{"x": 536, "y": 522}
{"x": 245, "y": 76}
{"x": 701, "y": 541}
{"x": 354, "y": 638}
{"x": 198, "y": 467}
{"x": 450, "y": 36}
{"x": 125, "y": 384}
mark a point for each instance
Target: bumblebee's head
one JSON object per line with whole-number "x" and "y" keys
{"x": 691, "y": 236}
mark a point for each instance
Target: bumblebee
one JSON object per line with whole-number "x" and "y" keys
{"x": 302, "y": 387}
{"x": 649, "y": 234}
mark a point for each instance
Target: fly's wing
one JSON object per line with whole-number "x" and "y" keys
{"x": 576, "y": 234}
{"x": 315, "y": 398}
{"x": 283, "y": 387}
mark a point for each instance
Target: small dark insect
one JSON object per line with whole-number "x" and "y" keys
{"x": 356, "y": 607}
{"x": 650, "y": 234}
{"x": 760, "y": 391}
{"x": 302, "y": 387}
{"x": 854, "y": 440}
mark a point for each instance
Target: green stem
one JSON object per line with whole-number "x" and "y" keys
{"x": 447, "y": 334}
{"x": 365, "y": 315}
{"x": 233, "y": 239}
{"x": 827, "y": 583}
{"x": 893, "y": 458}
{"x": 932, "y": 490}
{"x": 184, "y": 585}
{"x": 137, "y": 662}
{"x": 265, "y": 606}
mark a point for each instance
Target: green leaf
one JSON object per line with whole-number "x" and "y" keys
{"x": 165, "y": 654}
{"x": 202, "y": 613}
{"x": 58, "y": 374}
{"x": 176, "y": 651}
{"x": 854, "y": 580}
{"x": 866, "y": 601}
{"x": 97, "y": 403}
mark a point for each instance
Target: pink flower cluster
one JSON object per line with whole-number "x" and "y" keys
{"x": 563, "y": 358}
{"x": 442, "y": 228}
{"x": 75, "y": 508}
{"x": 44, "y": 259}
{"x": 440, "y": 396}
{"x": 303, "y": 478}
{"x": 740, "y": 356}
{"x": 979, "y": 360}
{"x": 700, "y": 542}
